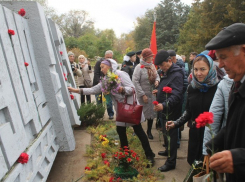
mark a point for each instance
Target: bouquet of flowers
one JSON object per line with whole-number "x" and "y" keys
{"x": 110, "y": 83}
{"x": 125, "y": 157}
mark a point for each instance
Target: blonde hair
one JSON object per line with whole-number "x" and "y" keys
{"x": 81, "y": 56}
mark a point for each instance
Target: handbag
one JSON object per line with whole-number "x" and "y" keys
{"x": 87, "y": 83}
{"x": 196, "y": 168}
{"x": 129, "y": 113}
{"x": 205, "y": 175}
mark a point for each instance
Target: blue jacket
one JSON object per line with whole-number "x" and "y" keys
{"x": 219, "y": 108}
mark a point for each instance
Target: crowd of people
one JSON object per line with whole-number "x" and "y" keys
{"x": 212, "y": 81}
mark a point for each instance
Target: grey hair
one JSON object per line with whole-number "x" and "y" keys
{"x": 236, "y": 49}
{"x": 109, "y": 52}
{"x": 183, "y": 56}
{"x": 70, "y": 53}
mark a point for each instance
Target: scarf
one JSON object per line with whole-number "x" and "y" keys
{"x": 151, "y": 70}
{"x": 210, "y": 80}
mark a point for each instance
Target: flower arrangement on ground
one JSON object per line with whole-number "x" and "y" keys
{"x": 125, "y": 158}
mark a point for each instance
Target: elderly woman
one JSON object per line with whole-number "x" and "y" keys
{"x": 126, "y": 89}
{"x": 84, "y": 81}
{"x": 145, "y": 79}
{"x": 199, "y": 98}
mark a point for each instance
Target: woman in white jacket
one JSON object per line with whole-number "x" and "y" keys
{"x": 126, "y": 88}
{"x": 84, "y": 81}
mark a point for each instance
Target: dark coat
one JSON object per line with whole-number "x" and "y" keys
{"x": 181, "y": 64}
{"x": 173, "y": 79}
{"x": 128, "y": 67}
{"x": 97, "y": 72}
{"x": 197, "y": 103}
{"x": 232, "y": 136}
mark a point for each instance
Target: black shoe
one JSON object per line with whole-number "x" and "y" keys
{"x": 163, "y": 153}
{"x": 149, "y": 135}
{"x": 151, "y": 161}
{"x": 165, "y": 168}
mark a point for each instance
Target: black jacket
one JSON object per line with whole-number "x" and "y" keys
{"x": 128, "y": 67}
{"x": 173, "y": 79}
{"x": 97, "y": 72}
{"x": 181, "y": 64}
{"x": 197, "y": 103}
{"x": 232, "y": 136}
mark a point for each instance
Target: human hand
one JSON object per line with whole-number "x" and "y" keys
{"x": 75, "y": 90}
{"x": 88, "y": 63}
{"x": 120, "y": 90}
{"x": 154, "y": 91}
{"x": 145, "y": 99}
{"x": 158, "y": 107}
{"x": 156, "y": 83}
{"x": 169, "y": 125}
{"x": 222, "y": 162}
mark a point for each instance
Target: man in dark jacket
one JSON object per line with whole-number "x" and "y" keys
{"x": 97, "y": 75}
{"x": 172, "y": 77}
{"x": 229, "y": 45}
{"x": 129, "y": 63}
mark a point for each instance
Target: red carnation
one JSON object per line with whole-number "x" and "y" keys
{"x": 111, "y": 179}
{"x": 155, "y": 103}
{"x": 61, "y": 53}
{"x": 26, "y": 64}
{"x": 107, "y": 163}
{"x": 190, "y": 76}
{"x": 11, "y": 32}
{"x": 137, "y": 158}
{"x": 60, "y": 64}
{"x": 129, "y": 159}
{"x": 65, "y": 79}
{"x": 104, "y": 136}
{"x": 24, "y": 157}
{"x": 22, "y": 12}
{"x": 72, "y": 97}
{"x": 142, "y": 66}
{"x": 87, "y": 168}
{"x": 103, "y": 155}
{"x": 204, "y": 119}
{"x": 167, "y": 90}
{"x": 64, "y": 74}
{"x": 126, "y": 147}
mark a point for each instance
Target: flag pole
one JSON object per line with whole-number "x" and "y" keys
{"x": 153, "y": 43}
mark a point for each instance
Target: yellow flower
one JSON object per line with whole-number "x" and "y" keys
{"x": 105, "y": 142}
{"x": 101, "y": 137}
{"x": 103, "y": 99}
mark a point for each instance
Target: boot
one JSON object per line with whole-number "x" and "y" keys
{"x": 149, "y": 126}
{"x": 151, "y": 160}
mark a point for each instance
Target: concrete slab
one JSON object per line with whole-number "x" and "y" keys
{"x": 69, "y": 166}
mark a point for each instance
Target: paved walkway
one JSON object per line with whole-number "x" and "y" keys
{"x": 69, "y": 166}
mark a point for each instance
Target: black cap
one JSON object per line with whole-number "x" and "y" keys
{"x": 172, "y": 53}
{"x": 139, "y": 52}
{"x": 229, "y": 36}
{"x": 161, "y": 56}
{"x": 130, "y": 54}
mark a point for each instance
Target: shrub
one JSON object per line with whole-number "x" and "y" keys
{"x": 91, "y": 113}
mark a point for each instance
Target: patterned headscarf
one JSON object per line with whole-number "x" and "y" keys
{"x": 210, "y": 80}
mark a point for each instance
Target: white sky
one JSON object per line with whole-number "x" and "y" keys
{"x": 119, "y": 15}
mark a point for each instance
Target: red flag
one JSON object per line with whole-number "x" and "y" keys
{"x": 153, "y": 45}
